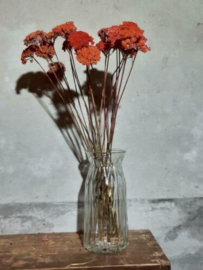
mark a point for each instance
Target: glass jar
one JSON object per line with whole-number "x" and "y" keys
{"x": 105, "y": 216}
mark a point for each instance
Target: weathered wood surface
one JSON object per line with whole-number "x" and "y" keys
{"x": 59, "y": 251}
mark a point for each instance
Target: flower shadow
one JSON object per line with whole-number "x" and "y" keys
{"x": 43, "y": 90}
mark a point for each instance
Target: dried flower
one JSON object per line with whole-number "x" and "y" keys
{"x": 127, "y": 37}
{"x": 88, "y": 55}
{"x": 45, "y": 51}
{"x": 28, "y": 53}
{"x": 64, "y": 29}
{"x": 80, "y": 39}
{"x": 35, "y": 38}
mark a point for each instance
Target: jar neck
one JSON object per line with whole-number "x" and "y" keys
{"x": 113, "y": 157}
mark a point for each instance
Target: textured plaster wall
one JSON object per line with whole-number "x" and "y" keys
{"x": 160, "y": 125}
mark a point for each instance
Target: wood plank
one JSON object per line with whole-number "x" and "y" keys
{"x": 58, "y": 251}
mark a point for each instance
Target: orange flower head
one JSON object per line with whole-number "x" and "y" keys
{"x": 28, "y": 53}
{"x": 35, "y": 38}
{"x": 45, "y": 51}
{"x": 80, "y": 39}
{"x": 130, "y": 30}
{"x": 64, "y": 29}
{"x": 88, "y": 55}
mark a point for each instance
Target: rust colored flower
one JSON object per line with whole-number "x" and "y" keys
{"x": 35, "y": 38}
{"x": 28, "y": 53}
{"x": 64, "y": 29}
{"x": 80, "y": 39}
{"x": 88, "y": 55}
{"x": 45, "y": 51}
{"x": 127, "y": 37}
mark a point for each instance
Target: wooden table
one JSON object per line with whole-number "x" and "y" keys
{"x": 57, "y": 251}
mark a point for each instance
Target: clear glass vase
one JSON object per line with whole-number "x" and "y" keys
{"x": 105, "y": 217}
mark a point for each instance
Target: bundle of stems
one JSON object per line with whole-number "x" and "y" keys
{"x": 95, "y": 127}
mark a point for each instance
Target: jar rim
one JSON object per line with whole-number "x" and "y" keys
{"x": 113, "y": 151}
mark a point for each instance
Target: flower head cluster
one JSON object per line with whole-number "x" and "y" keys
{"x": 28, "y": 53}
{"x": 82, "y": 43}
{"x": 64, "y": 29}
{"x": 127, "y": 37}
{"x": 80, "y": 39}
{"x": 40, "y": 44}
{"x": 88, "y": 55}
{"x": 35, "y": 38}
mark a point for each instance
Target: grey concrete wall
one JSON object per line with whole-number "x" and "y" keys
{"x": 160, "y": 125}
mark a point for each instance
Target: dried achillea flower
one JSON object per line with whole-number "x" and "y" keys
{"x": 80, "y": 39}
{"x": 45, "y": 51}
{"x": 88, "y": 55}
{"x": 35, "y": 38}
{"x": 127, "y": 37}
{"x": 64, "y": 29}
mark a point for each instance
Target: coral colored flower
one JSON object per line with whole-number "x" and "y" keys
{"x": 80, "y": 39}
{"x": 64, "y": 29}
{"x": 88, "y": 55}
{"x": 35, "y": 38}
{"x": 28, "y": 53}
{"x": 45, "y": 51}
{"x": 127, "y": 37}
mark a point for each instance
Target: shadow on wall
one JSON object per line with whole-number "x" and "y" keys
{"x": 40, "y": 86}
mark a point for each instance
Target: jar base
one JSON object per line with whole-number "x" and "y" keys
{"x": 105, "y": 247}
